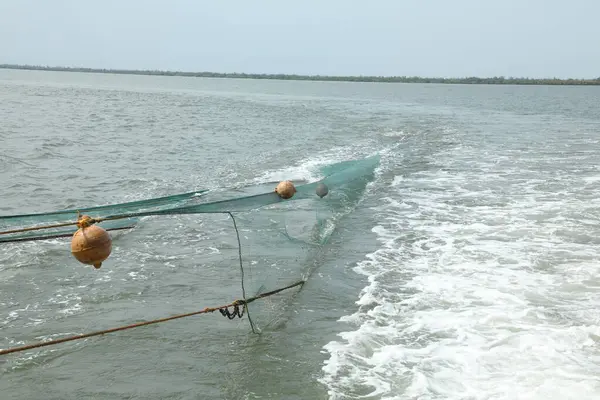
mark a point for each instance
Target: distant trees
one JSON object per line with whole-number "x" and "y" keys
{"x": 472, "y": 80}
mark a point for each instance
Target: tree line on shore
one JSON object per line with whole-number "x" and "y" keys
{"x": 496, "y": 80}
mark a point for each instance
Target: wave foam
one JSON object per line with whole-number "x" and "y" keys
{"x": 484, "y": 287}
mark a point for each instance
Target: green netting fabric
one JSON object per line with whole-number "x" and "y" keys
{"x": 345, "y": 181}
{"x": 156, "y": 203}
{"x": 282, "y": 241}
{"x": 342, "y": 181}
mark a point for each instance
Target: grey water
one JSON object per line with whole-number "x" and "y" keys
{"x": 468, "y": 268}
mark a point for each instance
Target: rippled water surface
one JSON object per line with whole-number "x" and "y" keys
{"x": 468, "y": 269}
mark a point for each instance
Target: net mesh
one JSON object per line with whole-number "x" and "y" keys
{"x": 190, "y": 238}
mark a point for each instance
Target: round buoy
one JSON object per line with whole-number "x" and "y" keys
{"x": 322, "y": 190}
{"x": 285, "y": 189}
{"x": 91, "y": 244}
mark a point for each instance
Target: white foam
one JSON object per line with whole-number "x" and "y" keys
{"x": 306, "y": 169}
{"x": 394, "y": 133}
{"x": 591, "y": 179}
{"x": 474, "y": 294}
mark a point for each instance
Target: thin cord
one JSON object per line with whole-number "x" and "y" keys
{"x": 237, "y": 233}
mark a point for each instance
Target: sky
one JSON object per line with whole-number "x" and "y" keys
{"x": 434, "y": 38}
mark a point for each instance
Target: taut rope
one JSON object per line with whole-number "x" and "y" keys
{"x": 224, "y": 310}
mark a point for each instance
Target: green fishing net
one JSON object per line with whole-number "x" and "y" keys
{"x": 192, "y": 236}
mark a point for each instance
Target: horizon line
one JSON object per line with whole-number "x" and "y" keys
{"x": 340, "y": 78}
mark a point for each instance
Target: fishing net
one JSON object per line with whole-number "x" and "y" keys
{"x": 189, "y": 243}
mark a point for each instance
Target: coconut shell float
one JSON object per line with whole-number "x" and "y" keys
{"x": 285, "y": 189}
{"x": 91, "y": 244}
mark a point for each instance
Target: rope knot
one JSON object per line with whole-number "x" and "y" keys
{"x": 84, "y": 221}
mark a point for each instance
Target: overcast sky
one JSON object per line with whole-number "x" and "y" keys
{"x": 534, "y": 38}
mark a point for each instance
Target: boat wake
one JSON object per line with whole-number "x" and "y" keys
{"x": 485, "y": 286}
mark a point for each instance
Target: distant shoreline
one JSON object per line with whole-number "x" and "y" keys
{"x": 383, "y": 79}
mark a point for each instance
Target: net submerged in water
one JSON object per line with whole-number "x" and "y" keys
{"x": 280, "y": 238}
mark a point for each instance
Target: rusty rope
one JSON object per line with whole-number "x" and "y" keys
{"x": 82, "y": 222}
{"x": 234, "y": 304}
{"x": 34, "y": 228}
{"x": 61, "y": 235}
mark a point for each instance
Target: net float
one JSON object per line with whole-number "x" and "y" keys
{"x": 285, "y": 189}
{"x": 91, "y": 244}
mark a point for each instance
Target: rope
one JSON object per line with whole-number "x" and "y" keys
{"x": 236, "y": 303}
{"x": 57, "y": 236}
{"x": 83, "y": 221}
{"x": 34, "y": 228}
